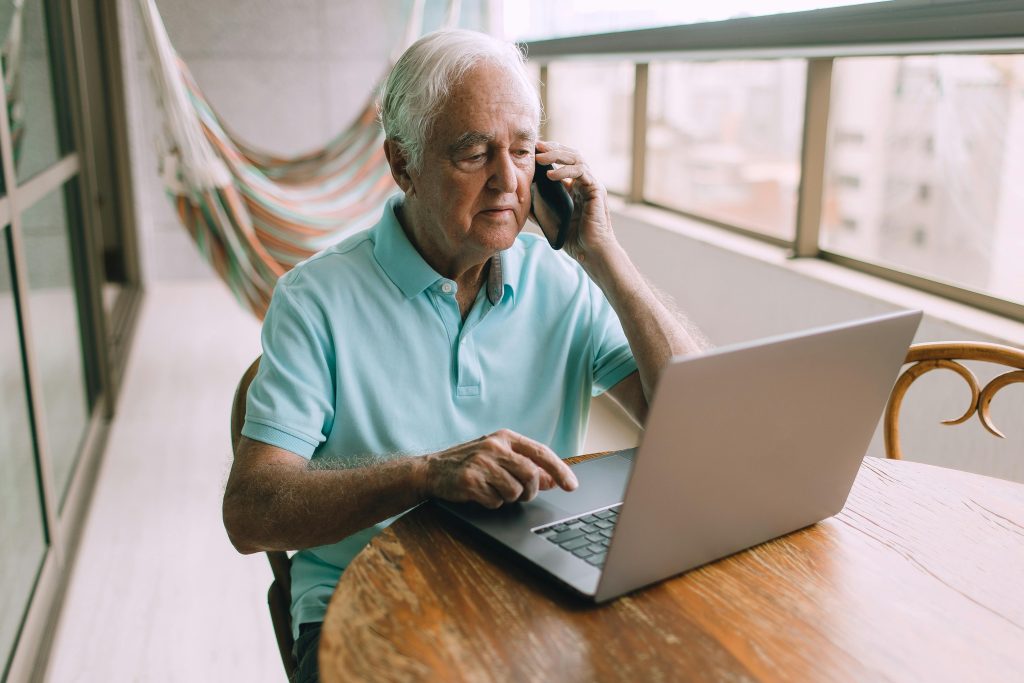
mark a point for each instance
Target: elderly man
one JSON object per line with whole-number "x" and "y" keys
{"x": 386, "y": 356}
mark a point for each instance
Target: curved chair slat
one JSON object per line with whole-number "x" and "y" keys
{"x": 934, "y": 355}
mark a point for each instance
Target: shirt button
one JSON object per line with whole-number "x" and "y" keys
{"x": 446, "y": 288}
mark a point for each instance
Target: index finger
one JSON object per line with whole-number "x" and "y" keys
{"x": 546, "y": 459}
{"x": 551, "y": 152}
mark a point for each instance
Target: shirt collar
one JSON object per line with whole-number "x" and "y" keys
{"x": 394, "y": 252}
{"x": 406, "y": 268}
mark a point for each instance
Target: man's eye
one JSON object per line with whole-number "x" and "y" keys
{"x": 476, "y": 157}
{"x": 524, "y": 153}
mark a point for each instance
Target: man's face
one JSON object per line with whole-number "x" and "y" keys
{"x": 472, "y": 195}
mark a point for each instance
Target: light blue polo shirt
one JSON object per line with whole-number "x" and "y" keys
{"x": 365, "y": 353}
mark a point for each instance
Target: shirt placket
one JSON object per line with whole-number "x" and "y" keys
{"x": 465, "y": 356}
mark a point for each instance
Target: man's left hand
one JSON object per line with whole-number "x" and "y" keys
{"x": 590, "y": 228}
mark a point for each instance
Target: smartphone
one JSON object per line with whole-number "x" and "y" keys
{"x": 557, "y": 206}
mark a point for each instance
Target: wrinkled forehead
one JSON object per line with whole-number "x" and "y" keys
{"x": 492, "y": 100}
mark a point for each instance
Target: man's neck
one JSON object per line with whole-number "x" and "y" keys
{"x": 469, "y": 275}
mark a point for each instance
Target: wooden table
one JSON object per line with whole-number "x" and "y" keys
{"x": 921, "y": 577}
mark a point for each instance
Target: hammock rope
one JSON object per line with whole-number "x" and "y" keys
{"x": 254, "y": 215}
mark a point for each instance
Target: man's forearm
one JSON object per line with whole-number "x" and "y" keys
{"x": 275, "y": 500}
{"x": 654, "y": 332}
{"x": 278, "y": 506}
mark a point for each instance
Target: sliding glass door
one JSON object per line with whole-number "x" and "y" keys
{"x": 64, "y": 273}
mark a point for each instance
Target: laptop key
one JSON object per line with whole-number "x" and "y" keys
{"x": 590, "y": 528}
{"x": 595, "y": 538}
{"x": 596, "y": 548}
{"x": 574, "y": 543}
{"x": 597, "y": 559}
{"x": 604, "y": 524}
{"x": 607, "y": 533}
{"x": 560, "y": 527}
{"x": 604, "y": 514}
{"x": 566, "y": 535}
{"x": 588, "y": 519}
{"x": 583, "y": 553}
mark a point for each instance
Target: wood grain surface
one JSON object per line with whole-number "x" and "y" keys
{"x": 918, "y": 578}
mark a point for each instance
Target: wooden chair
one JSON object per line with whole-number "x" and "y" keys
{"x": 279, "y": 597}
{"x": 927, "y": 357}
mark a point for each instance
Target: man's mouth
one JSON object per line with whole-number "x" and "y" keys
{"x": 502, "y": 214}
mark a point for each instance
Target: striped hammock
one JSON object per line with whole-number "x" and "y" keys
{"x": 254, "y": 215}
{"x": 276, "y": 212}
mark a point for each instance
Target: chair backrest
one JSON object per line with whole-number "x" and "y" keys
{"x": 927, "y": 357}
{"x": 280, "y": 595}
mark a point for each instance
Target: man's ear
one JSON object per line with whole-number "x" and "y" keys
{"x": 399, "y": 164}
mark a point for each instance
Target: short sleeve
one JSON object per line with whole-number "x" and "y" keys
{"x": 291, "y": 400}
{"x": 613, "y": 359}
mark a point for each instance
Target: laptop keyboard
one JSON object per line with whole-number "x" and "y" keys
{"x": 587, "y": 536}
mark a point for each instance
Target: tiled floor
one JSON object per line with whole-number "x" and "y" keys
{"x": 158, "y": 593}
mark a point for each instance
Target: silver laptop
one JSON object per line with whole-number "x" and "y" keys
{"x": 742, "y": 445}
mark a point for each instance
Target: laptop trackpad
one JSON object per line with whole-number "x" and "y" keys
{"x": 602, "y": 483}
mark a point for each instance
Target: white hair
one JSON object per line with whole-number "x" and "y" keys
{"x": 417, "y": 87}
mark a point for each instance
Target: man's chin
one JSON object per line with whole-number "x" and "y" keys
{"x": 500, "y": 240}
{"x": 510, "y": 240}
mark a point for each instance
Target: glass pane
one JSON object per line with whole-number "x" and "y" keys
{"x": 925, "y": 167}
{"x": 21, "y": 519}
{"x": 30, "y": 89}
{"x": 538, "y": 19}
{"x": 55, "y": 332}
{"x": 590, "y": 107}
{"x": 723, "y": 141}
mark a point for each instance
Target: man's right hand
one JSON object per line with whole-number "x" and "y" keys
{"x": 500, "y": 468}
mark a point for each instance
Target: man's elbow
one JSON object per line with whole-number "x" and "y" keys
{"x": 238, "y": 524}
{"x": 243, "y": 544}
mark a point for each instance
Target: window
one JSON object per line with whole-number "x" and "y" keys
{"x": 941, "y": 167}
{"x": 55, "y": 336}
{"x": 723, "y": 141}
{"x": 56, "y": 339}
{"x": 21, "y": 524}
{"x": 915, "y": 161}
{"x": 590, "y": 107}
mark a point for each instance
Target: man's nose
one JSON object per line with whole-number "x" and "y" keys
{"x": 503, "y": 176}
